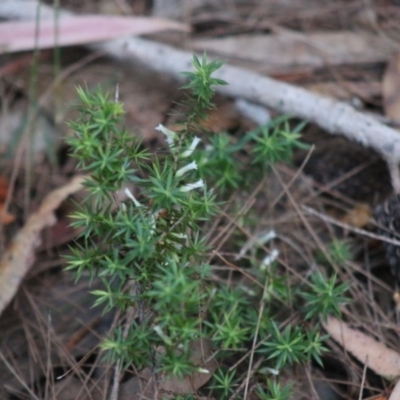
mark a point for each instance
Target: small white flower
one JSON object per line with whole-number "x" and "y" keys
{"x": 257, "y": 240}
{"x": 191, "y": 148}
{"x": 132, "y": 197}
{"x": 170, "y": 135}
{"x": 162, "y": 335}
{"x": 186, "y": 168}
{"x": 267, "y": 237}
{"x": 153, "y": 223}
{"x": 269, "y": 259}
{"x": 179, "y": 235}
{"x": 191, "y": 186}
{"x": 273, "y": 371}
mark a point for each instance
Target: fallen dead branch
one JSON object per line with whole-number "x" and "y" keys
{"x": 333, "y": 116}
{"x": 19, "y": 256}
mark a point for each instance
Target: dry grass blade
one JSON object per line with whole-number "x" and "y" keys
{"x": 19, "y": 256}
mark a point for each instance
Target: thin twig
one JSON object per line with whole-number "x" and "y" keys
{"x": 248, "y": 377}
{"x": 260, "y": 313}
{"x": 17, "y": 377}
{"x": 130, "y": 316}
{"x": 351, "y": 228}
{"x": 241, "y": 270}
{"x": 363, "y": 379}
{"x": 293, "y": 178}
{"x": 115, "y": 386}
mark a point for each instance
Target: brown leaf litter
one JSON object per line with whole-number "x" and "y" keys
{"x": 19, "y": 256}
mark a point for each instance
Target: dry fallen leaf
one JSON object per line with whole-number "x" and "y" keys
{"x": 72, "y": 30}
{"x": 382, "y": 360}
{"x": 19, "y": 256}
{"x": 146, "y": 386}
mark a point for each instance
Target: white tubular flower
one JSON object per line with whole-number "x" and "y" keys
{"x": 273, "y": 371}
{"x": 191, "y": 148}
{"x": 259, "y": 240}
{"x": 179, "y": 235}
{"x": 162, "y": 335}
{"x": 186, "y": 168}
{"x": 191, "y": 186}
{"x": 132, "y": 197}
{"x": 152, "y": 224}
{"x": 269, "y": 259}
{"x": 267, "y": 237}
{"x": 170, "y": 135}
